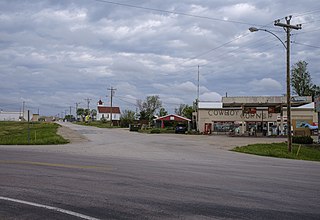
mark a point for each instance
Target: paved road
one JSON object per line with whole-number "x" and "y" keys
{"x": 120, "y": 175}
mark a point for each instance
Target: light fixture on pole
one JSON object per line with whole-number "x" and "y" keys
{"x": 254, "y": 29}
{"x": 287, "y": 27}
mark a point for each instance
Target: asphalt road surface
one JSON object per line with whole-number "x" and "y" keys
{"x": 116, "y": 174}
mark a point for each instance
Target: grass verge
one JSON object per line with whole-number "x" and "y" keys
{"x": 280, "y": 150}
{"x": 98, "y": 124}
{"x": 24, "y": 133}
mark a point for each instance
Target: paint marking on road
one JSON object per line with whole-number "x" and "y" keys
{"x": 50, "y": 208}
{"x": 55, "y": 165}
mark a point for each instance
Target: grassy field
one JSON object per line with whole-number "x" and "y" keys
{"x": 280, "y": 150}
{"x": 36, "y": 133}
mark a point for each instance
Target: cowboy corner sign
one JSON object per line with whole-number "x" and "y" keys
{"x": 237, "y": 115}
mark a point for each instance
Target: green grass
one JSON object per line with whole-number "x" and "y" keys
{"x": 98, "y": 124}
{"x": 280, "y": 150}
{"x": 36, "y": 133}
{"x": 157, "y": 131}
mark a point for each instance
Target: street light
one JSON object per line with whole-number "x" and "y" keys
{"x": 287, "y": 27}
{"x": 254, "y": 29}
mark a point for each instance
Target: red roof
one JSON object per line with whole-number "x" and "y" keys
{"x": 103, "y": 109}
{"x": 173, "y": 117}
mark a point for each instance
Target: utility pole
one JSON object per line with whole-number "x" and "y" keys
{"x": 111, "y": 96}
{"x": 88, "y": 102}
{"x": 77, "y": 103}
{"x": 28, "y": 126}
{"x": 23, "y": 104}
{"x": 198, "y": 95}
{"x": 288, "y": 27}
{"x": 198, "y": 90}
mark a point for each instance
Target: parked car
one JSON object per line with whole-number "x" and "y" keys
{"x": 134, "y": 127}
{"x": 181, "y": 128}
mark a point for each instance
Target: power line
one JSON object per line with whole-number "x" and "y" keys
{"x": 305, "y": 44}
{"x": 126, "y": 101}
{"x": 306, "y": 13}
{"x": 172, "y": 12}
{"x": 213, "y": 49}
{"x": 222, "y": 45}
{"x": 306, "y": 32}
{"x": 309, "y": 22}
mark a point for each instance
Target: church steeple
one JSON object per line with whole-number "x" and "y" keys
{"x": 100, "y": 102}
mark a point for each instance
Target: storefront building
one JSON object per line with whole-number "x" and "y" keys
{"x": 256, "y": 116}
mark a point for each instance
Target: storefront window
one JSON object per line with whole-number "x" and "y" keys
{"x": 223, "y": 126}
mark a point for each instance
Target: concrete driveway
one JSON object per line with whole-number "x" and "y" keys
{"x": 122, "y": 143}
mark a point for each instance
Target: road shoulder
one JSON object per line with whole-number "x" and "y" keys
{"x": 71, "y": 135}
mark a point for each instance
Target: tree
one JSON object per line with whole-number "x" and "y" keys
{"x": 179, "y": 110}
{"x": 301, "y": 81}
{"x": 315, "y": 90}
{"x": 93, "y": 113}
{"x": 187, "y": 112}
{"x": 184, "y": 110}
{"x": 69, "y": 118}
{"x": 149, "y": 106}
{"x": 87, "y": 112}
{"x": 127, "y": 118}
{"x": 162, "y": 112}
{"x": 80, "y": 111}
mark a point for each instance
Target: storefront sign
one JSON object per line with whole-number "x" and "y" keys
{"x": 237, "y": 114}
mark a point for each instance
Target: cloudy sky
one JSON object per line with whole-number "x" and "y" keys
{"x": 55, "y": 53}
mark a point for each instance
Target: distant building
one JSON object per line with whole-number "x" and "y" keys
{"x": 14, "y": 116}
{"x": 104, "y": 112}
{"x": 35, "y": 117}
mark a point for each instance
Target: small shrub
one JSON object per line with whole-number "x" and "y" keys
{"x": 133, "y": 127}
{"x": 302, "y": 140}
{"x": 155, "y": 131}
{"x": 103, "y": 120}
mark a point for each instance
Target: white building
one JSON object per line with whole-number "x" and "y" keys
{"x": 104, "y": 112}
{"x": 14, "y": 116}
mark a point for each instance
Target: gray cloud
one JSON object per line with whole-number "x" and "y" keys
{"x": 56, "y": 53}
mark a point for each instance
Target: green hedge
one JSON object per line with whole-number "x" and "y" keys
{"x": 155, "y": 131}
{"x": 302, "y": 140}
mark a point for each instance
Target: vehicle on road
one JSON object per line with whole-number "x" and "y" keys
{"x": 181, "y": 128}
